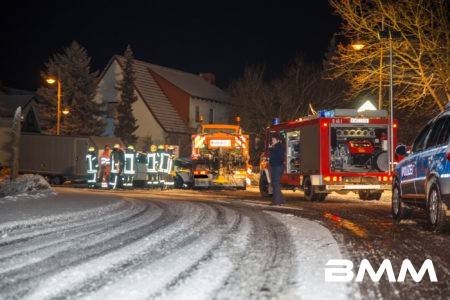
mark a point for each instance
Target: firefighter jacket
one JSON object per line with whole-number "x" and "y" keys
{"x": 130, "y": 162}
{"x": 117, "y": 161}
{"x": 91, "y": 162}
{"x": 152, "y": 162}
{"x": 165, "y": 162}
{"x": 105, "y": 158}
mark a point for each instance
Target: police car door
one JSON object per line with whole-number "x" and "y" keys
{"x": 431, "y": 159}
{"x": 408, "y": 173}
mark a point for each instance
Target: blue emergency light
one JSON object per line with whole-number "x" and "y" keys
{"x": 275, "y": 121}
{"x": 326, "y": 113}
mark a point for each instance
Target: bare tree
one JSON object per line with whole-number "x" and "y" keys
{"x": 287, "y": 97}
{"x": 422, "y": 56}
{"x": 256, "y": 100}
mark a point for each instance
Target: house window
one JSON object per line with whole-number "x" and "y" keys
{"x": 111, "y": 110}
{"x": 211, "y": 116}
{"x": 197, "y": 114}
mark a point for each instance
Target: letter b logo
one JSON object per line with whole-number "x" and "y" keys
{"x": 342, "y": 271}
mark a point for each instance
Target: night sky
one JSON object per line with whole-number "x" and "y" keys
{"x": 221, "y": 37}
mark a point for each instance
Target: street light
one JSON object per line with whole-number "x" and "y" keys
{"x": 58, "y": 114}
{"x": 65, "y": 111}
{"x": 358, "y": 45}
{"x": 388, "y": 35}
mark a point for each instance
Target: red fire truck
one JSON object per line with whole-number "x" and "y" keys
{"x": 340, "y": 150}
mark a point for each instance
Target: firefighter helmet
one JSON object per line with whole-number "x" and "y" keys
{"x": 153, "y": 148}
{"x": 116, "y": 146}
{"x": 130, "y": 147}
{"x": 161, "y": 147}
{"x": 91, "y": 148}
{"x": 171, "y": 147}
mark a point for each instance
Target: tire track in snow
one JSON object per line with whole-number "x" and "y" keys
{"x": 176, "y": 226}
{"x": 71, "y": 251}
{"x": 156, "y": 249}
{"x": 18, "y": 241}
{"x": 43, "y": 246}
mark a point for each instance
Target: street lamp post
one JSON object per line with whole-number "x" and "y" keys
{"x": 390, "y": 36}
{"x": 58, "y": 112}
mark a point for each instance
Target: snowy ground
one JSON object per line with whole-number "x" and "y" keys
{"x": 25, "y": 186}
{"x": 83, "y": 245}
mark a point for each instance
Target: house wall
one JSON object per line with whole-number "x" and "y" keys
{"x": 109, "y": 96}
{"x": 221, "y": 111}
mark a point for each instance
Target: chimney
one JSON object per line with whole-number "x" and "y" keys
{"x": 209, "y": 77}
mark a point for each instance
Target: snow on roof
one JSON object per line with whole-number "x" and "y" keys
{"x": 193, "y": 84}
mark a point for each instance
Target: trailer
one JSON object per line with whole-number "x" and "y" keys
{"x": 340, "y": 151}
{"x": 58, "y": 158}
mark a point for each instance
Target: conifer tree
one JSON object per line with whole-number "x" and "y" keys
{"x": 72, "y": 68}
{"x": 126, "y": 123}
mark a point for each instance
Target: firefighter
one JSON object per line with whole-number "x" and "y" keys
{"x": 117, "y": 161}
{"x": 105, "y": 167}
{"x": 130, "y": 167}
{"x": 91, "y": 167}
{"x": 160, "y": 161}
{"x": 170, "y": 181}
{"x": 152, "y": 168}
{"x": 165, "y": 167}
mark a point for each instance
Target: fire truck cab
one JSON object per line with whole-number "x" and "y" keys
{"x": 220, "y": 157}
{"x": 340, "y": 150}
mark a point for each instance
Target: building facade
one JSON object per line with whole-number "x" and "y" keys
{"x": 170, "y": 102}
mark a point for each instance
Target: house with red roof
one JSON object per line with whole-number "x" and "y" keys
{"x": 170, "y": 102}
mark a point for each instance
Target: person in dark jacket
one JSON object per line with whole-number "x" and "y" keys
{"x": 117, "y": 162}
{"x": 276, "y": 160}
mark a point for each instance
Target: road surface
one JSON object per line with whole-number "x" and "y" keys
{"x": 176, "y": 244}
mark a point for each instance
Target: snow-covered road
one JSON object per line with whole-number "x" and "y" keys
{"x": 158, "y": 248}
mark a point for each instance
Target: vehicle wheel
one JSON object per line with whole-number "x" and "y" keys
{"x": 178, "y": 182}
{"x": 375, "y": 196}
{"x": 264, "y": 186}
{"x": 399, "y": 210}
{"x": 322, "y": 197}
{"x": 364, "y": 194}
{"x": 56, "y": 180}
{"x": 436, "y": 208}
{"x": 308, "y": 190}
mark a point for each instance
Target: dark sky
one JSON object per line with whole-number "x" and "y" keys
{"x": 215, "y": 36}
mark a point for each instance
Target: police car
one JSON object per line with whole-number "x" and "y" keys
{"x": 422, "y": 178}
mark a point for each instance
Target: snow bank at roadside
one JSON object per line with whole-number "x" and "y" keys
{"x": 27, "y": 184}
{"x": 314, "y": 246}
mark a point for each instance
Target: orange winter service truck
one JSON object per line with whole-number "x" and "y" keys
{"x": 220, "y": 157}
{"x": 340, "y": 150}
